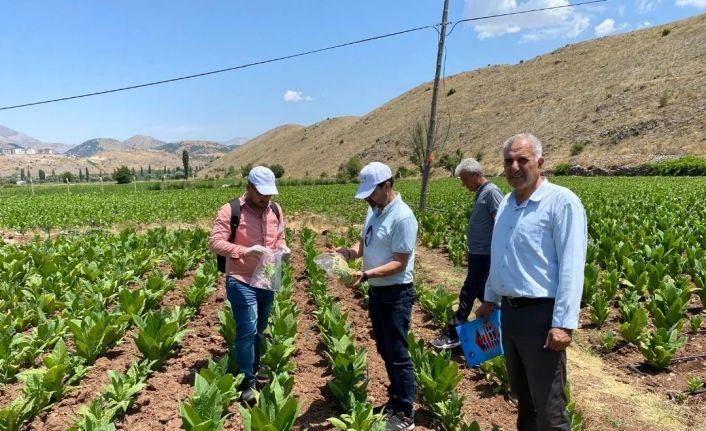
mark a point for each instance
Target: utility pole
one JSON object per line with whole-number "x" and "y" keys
{"x": 432, "y": 115}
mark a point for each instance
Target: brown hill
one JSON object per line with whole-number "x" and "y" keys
{"x": 106, "y": 161}
{"x": 614, "y": 101}
{"x": 200, "y": 152}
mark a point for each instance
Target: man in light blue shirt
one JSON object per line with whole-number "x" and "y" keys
{"x": 387, "y": 248}
{"x": 538, "y": 253}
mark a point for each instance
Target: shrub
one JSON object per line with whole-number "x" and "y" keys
{"x": 123, "y": 175}
{"x": 404, "y": 172}
{"x": 451, "y": 91}
{"x": 664, "y": 99}
{"x": 684, "y": 166}
{"x": 278, "y": 170}
{"x": 576, "y": 149}
{"x": 665, "y": 32}
{"x": 562, "y": 169}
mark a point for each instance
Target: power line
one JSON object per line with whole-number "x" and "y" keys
{"x": 287, "y": 57}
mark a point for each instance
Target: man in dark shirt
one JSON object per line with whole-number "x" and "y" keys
{"x": 478, "y": 237}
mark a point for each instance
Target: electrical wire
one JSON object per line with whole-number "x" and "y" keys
{"x": 287, "y": 57}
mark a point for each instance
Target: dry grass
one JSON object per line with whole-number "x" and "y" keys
{"x": 607, "y": 403}
{"x": 604, "y": 94}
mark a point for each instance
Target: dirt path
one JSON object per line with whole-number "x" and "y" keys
{"x": 609, "y": 398}
{"x": 157, "y": 406}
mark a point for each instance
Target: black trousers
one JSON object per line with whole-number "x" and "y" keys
{"x": 390, "y": 311}
{"x": 537, "y": 375}
{"x": 473, "y": 288}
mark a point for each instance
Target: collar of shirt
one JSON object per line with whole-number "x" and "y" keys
{"x": 393, "y": 203}
{"x": 481, "y": 188}
{"x": 536, "y": 196}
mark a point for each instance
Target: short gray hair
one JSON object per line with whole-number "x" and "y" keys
{"x": 469, "y": 166}
{"x": 528, "y": 137}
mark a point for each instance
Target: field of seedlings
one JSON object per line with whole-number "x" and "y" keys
{"x": 114, "y": 314}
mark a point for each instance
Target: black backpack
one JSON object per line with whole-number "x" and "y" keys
{"x": 234, "y": 223}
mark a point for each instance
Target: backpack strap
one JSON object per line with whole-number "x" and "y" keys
{"x": 235, "y": 216}
{"x": 275, "y": 209}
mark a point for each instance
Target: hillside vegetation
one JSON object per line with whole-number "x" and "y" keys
{"x": 622, "y": 100}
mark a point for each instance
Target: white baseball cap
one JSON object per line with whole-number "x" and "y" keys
{"x": 263, "y": 179}
{"x": 370, "y": 176}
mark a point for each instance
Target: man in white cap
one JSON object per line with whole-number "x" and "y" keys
{"x": 387, "y": 248}
{"x": 244, "y": 229}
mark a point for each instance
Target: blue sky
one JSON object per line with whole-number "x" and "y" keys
{"x": 57, "y": 48}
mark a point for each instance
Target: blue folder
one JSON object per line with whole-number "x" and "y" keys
{"x": 481, "y": 342}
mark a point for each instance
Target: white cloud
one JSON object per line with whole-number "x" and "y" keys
{"x": 295, "y": 96}
{"x": 555, "y": 23}
{"x": 694, "y": 3}
{"x": 606, "y": 27}
{"x": 644, "y": 24}
{"x": 645, "y": 6}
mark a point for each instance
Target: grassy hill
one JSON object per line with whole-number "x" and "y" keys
{"x": 615, "y": 101}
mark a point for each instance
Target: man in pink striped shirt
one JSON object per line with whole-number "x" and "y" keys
{"x": 260, "y": 231}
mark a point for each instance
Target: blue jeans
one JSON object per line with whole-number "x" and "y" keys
{"x": 251, "y": 311}
{"x": 390, "y": 310}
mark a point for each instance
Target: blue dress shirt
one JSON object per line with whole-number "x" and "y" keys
{"x": 539, "y": 251}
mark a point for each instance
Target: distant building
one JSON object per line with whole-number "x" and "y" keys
{"x": 19, "y": 151}
{"x": 45, "y": 151}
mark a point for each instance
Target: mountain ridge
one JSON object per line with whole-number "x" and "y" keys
{"x": 619, "y": 100}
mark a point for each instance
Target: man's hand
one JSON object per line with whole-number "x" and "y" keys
{"x": 286, "y": 253}
{"x": 357, "y": 279}
{"x": 558, "y": 339}
{"x": 255, "y": 250}
{"x": 345, "y": 252}
{"x": 484, "y": 311}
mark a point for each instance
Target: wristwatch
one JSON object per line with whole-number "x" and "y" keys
{"x": 364, "y": 277}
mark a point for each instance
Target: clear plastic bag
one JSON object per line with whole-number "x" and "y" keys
{"x": 268, "y": 272}
{"x": 336, "y": 267}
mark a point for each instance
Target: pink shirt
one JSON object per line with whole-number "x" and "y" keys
{"x": 255, "y": 227}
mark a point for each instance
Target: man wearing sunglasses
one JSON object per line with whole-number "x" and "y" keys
{"x": 387, "y": 248}
{"x": 259, "y": 230}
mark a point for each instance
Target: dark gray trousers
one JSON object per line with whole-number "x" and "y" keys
{"x": 537, "y": 375}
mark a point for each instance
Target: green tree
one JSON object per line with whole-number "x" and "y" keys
{"x": 450, "y": 161}
{"x": 278, "y": 170}
{"x": 42, "y": 175}
{"x": 418, "y": 144}
{"x": 22, "y": 173}
{"x": 123, "y": 175}
{"x": 185, "y": 162}
{"x": 67, "y": 176}
{"x": 29, "y": 174}
{"x": 231, "y": 171}
{"x": 87, "y": 176}
{"x": 149, "y": 169}
{"x": 80, "y": 175}
{"x": 350, "y": 169}
{"x": 245, "y": 170}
